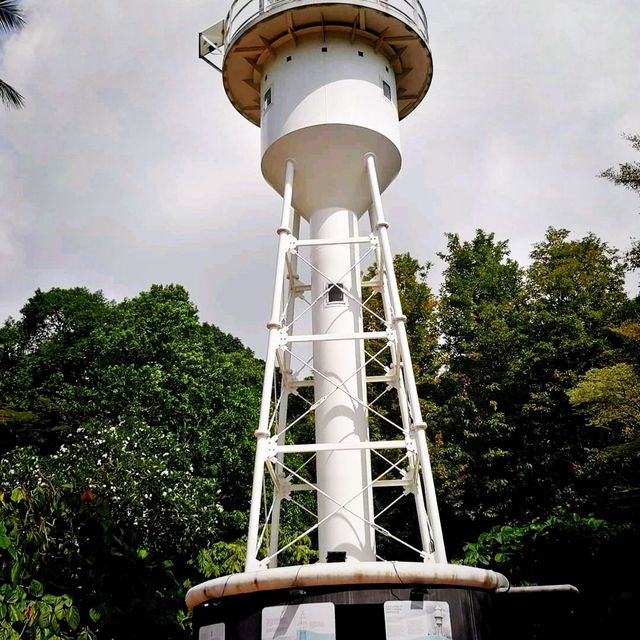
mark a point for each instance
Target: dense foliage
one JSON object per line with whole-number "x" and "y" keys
{"x": 539, "y": 461}
{"x": 126, "y": 437}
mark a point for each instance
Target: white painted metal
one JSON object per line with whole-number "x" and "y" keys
{"x": 279, "y": 494}
{"x": 329, "y": 94}
{"x": 255, "y": 31}
{"x": 418, "y": 426}
{"x": 415, "y": 484}
{"x": 337, "y": 337}
{"x": 338, "y": 419}
{"x": 327, "y": 241}
{"x": 273, "y": 325}
{"x": 244, "y": 13}
{"x": 342, "y": 448}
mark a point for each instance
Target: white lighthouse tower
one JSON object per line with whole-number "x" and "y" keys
{"x": 341, "y": 440}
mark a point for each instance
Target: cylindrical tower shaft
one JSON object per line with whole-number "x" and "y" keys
{"x": 340, "y": 390}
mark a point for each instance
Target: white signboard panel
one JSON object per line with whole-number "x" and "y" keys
{"x": 314, "y": 621}
{"x": 212, "y": 632}
{"x": 417, "y": 620}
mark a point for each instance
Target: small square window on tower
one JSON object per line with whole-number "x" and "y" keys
{"x": 335, "y": 293}
{"x": 267, "y": 98}
{"x": 386, "y": 90}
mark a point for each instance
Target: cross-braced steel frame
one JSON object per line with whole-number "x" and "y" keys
{"x": 401, "y": 453}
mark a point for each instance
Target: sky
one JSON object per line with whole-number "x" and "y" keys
{"x": 129, "y": 166}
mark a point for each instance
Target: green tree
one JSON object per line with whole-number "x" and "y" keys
{"x": 11, "y": 19}
{"x": 76, "y": 359}
{"x": 575, "y": 294}
{"x": 419, "y": 306}
{"x": 70, "y": 571}
{"x": 610, "y": 398}
{"x": 514, "y": 343}
{"x": 608, "y": 393}
{"x": 628, "y": 173}
{"x": 544, "y": 503}
{"x": 612, "y": 395}
{"x": 127, "y": 441}
{"x": 480, "y": 321}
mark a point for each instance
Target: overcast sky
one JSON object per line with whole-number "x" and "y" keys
{"x": 129, "y": 167}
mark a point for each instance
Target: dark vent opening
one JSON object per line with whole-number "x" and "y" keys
{"x": 335, "y": 292}
{"x": 336, "y": 556}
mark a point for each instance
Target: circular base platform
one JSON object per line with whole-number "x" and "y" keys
{"x": 340, "y": 601}
{"x": 345, "y": 574}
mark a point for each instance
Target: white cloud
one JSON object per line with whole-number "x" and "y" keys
{"x": 130, "y": 167}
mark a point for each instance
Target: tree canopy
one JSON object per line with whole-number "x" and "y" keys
{"x": 628, "y": 173}
{"x": 127, "y": 440}
{"x": 126, "y": 437}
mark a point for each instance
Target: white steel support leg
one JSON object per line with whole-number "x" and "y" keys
{"x": 274, "y": 537}
{"x": 399, "y": 320}
{"x": 423, "y": 521}
{"x": 274, "y": 325}
{"x": 421, "y": 512}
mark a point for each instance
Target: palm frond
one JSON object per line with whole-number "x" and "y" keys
{"x": 10, "y": 97}
{"x": 11, "y": 18}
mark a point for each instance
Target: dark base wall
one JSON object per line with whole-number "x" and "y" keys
{"x": 359, "y": 611}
